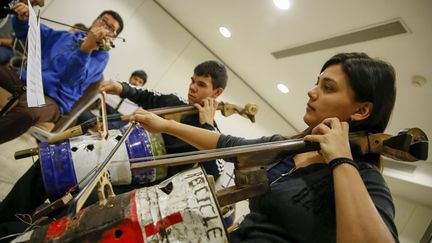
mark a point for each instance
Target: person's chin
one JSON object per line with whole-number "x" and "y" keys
{"x": 307, "y": 119}
{"x": 191, "y": 100}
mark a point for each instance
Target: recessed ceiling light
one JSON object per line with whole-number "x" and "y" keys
{"x": 225, "y": 32}
{"x": 283, "y": 88}
{"x": 282, "y": 4}
{"x": 418, "y": 81}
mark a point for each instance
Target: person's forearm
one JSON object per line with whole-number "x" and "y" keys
{"x": 138, "y": 96}
{"x": 6, "y": 41}
{"x": 357, "y": 219}
{"x": 198, "y": 137}
{"x": 81, "y": 67}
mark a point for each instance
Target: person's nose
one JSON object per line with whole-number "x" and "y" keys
{"x": 312, "y": 94}
{"x": 193, "y": 87}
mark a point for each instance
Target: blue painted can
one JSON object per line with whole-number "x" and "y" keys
{"x": 142, "y": 144}
{"x": 58, "y": 171}
{"x": 66, "y": 164}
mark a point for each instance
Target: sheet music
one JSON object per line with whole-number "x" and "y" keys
{"x": 127, "y": 107}
{"x": 35, "y": 95}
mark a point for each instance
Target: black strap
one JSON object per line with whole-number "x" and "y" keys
{"x": 335, "y": 162}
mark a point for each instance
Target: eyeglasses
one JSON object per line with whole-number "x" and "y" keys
{"x": 110, "y": 27}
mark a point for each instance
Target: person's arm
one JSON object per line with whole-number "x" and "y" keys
{"x": 86, "y": 63}
{"x": 198, "y": 137}
{"x": 6, "y": 41}
{"x": 357, "y": 218}
{"x": 81, "y": 66}
{"x": 142, "y": 97}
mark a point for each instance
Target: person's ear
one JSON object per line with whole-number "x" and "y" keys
{"x": 362, "y": 112}
{"x": 217, "y": 92}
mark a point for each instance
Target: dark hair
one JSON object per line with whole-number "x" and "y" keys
{"x": 140, "y": 74}
{"x": 215, "y": 70}
{"x": 80, "y": 26}
{"x": 372, "y": 80}
{"x": 116, "y": 16}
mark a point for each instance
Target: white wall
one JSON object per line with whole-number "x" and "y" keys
{"x": 412, "y": 219}
{"x": 168, "y": 53}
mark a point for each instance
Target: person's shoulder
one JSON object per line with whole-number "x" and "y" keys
{"x": 369, "y": 172}
{"x": 366, "y": 165}
{"x": 172, "y": 98}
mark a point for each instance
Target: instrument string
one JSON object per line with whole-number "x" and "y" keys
{"x": 242, "y": 148}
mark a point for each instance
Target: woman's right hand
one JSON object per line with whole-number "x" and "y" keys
{"x": 150, "y": 121}
{"x": 333, "y": 136}
{"x": 111, "y": 87}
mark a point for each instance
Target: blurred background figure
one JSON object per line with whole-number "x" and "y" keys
{"x": 78, "y": 27}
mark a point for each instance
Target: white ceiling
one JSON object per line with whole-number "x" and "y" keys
{"x": 259, "y": 28}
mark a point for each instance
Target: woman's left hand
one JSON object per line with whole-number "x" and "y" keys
{"x": 333, "y": 137}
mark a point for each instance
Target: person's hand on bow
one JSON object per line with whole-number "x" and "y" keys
{"x": 149, "y": 121}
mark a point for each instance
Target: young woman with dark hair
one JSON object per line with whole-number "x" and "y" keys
{"x": 331, "y": 195}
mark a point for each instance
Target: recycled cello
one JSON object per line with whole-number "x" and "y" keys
{"x": 66, "y": 163}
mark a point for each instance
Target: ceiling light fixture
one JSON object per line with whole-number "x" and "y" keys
{"x": 282, "y": 4}
{"x": 283, "y": 88}
{"x": 225, "y": 32}
{"x": 418, "y": 81}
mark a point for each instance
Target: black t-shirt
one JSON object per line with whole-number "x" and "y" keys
{"x": 153, "y": 100}
{"x": 300, "y": 206}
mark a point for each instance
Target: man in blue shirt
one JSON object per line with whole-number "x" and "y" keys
{"x": 70, "y": 63}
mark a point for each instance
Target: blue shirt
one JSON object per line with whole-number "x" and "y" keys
{"x": 66, "y": 70}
